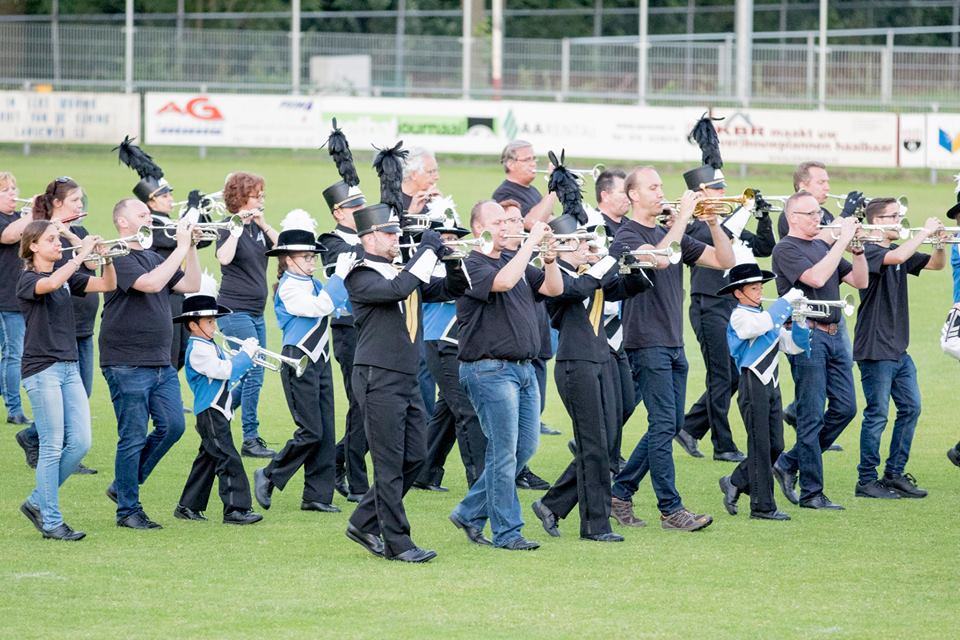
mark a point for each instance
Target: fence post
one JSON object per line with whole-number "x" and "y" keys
{"x": 55, "y": 39}
{"x": 886, "y": 70}
{"x": 128, "y": 49}
{"x": 934, "y": 107}
{"x": 564, "y": 69}
{"x": 26, "y": 145}
{"x": 202, "y": 150}
{"x": 295, "y": 47}
{"x": 466, "y": 50}
{"x": 811, "y": 61}
{"x": 725, "y": 61}
{"x": 822, "y": 68}
{"x": 399, "y": 44}
{"x": 642, "y": 53}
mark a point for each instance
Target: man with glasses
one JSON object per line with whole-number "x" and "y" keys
{"x": 803, "y": 260}
{"x": 520, "y": 164}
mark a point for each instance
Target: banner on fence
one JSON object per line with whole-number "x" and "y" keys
{"x": 912, "y": 140}
{"x": 943, "y": 140}
{"x": 26, "y": 116}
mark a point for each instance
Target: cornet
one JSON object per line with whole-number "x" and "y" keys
{"x": 119, "y": 247}
{"x": 671, "y": 253}
{"x": 209, "y": 231}
{"x": 594, "y": 172}
{"x": 719, "y": 206}
{"x": 804, "y": 308}
{"x": 460, "y": 247}
{"x": 264, "y": 358}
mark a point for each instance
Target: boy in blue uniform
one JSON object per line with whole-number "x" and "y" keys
{"x": 755, "y": 337}
{"x": 211, "y": 376}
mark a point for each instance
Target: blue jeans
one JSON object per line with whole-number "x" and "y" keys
{"x": 827, "y": 375}
{"x": 247, "y": 395}
{"x": 662, "y": 376}
{"x": 881, "y": 380}
{"x": 506, "y": 398}
{"x": 12, "y": 328}
{"x": 140, "y": 394}
{"x": 62, "y": 415}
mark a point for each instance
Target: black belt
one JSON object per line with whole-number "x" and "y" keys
{"x": 829, "y": 328}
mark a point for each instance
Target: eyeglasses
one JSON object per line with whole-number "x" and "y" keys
{"x": 817, "y": 213}
{"x": 527, "y": 159}
{"x": 500, "y": 223}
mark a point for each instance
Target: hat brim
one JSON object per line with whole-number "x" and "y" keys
{"x": 165, "y": 189}
{"x": 284, "y": 249}
{"x": 765, "y": 276}
{"x": 357, "y": 201}
{"x": 205, "y": 313}
{"x": 953, "y": 211}
{"x": 391, "y": 227}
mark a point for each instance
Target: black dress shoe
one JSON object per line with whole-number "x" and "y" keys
{"x": 340, "y": 481}
{"x": 688, "y": 443}
{"x": 904, "y": 485}
{"x": 262, "y": 488}
{"x": 21, "y": 419}
{"x": 415, "y": 555}
{"x": 473, "y": 534}
{"x": 242, "y": 517}
{"x": 788, "y": 484}
{"x": 953, "y": 455}
{"x": 84, "y": 470}
{"x": 30, "y": 450}
{"x": 527, "y": 479}
{"x": 730, "y": 456}
{"x": 313, "y": 505}
{"x": 521, "y": 544}
{"x": 547, "y": 518}
{"x": 547, "y": 430}
{"x": 354, "y": 497}
{"x": 730, "y": 495}
{"x": 33, "y": 515}
{"x": 603, "y": 537}
{"x": 368, "y": 541}
{"x": 875, "y": 489}
{"x": 423, "y": 486}
{"x": 185, "y": 513}
{"x": 112, "y": 494}
{"x": 63, "y": 532}
{"x": 138, "y": 520}
{"x": 769, "y": 515}
{"x": 256, "y": 448}
{"x": 820, "y": 501}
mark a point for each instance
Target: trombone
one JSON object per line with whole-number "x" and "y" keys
{"x": 209, "y": 231}
{"x": 719, "y": 206}
{"x": 119, "y": 247}
{"x": 594, "y": 172}
{"x": 804, "y": 308}
{"x": 264, "y": 358}
{"x": 671, "y": 253}
{"x": 460, "y": 247}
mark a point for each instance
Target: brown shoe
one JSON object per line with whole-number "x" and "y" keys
{"x": 683, "y": 520}
{"x": 622, "y": 512}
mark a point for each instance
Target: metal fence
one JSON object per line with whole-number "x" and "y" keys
{"x": 784, "y": 73}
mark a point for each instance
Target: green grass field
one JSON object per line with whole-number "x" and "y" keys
{"x": 881, "y": 568}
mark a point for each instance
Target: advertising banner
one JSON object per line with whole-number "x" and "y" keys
{"x": 942, "y": 140}
{"x": 913, "y": 140}
{"x": 99, "y": 118}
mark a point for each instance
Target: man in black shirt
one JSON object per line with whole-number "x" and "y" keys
{"x": 520, "y": 164}
{"x": 804, "y": 261}
{"x": 880, "y": 349}
{"x": 499, "y": 336}
{"x": 135, "y": 334}
{"x": 653, "y": 338}
{"x": 812, "y": 177}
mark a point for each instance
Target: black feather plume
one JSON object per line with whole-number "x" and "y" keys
{"x": 706, "y": 138}
{"x": 137, "y": 159}
{"x": 566, "y": 184}
{"x": 389, "y": 166}
{"x": 340, "y": 152}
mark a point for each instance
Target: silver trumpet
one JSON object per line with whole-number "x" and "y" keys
{"x": 27, "y": 209}
{"x": 209, "y": 230}
{"x": 671, "y": 253}
{"x": 858, "y": 241}
{"x": 804, "y": 308}
{"x": 460, "y": 247}
{"x": 264, "y": 358}
{"x": 211, "y": 204}
{"x": 594, "y": 172}
{"x": 861, "y": 207}
{"x": 939, "y": 238}
{"x": 119, "y": 247}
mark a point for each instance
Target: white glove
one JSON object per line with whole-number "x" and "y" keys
{"x": 793, "y": 295}
{"x": 250, "y": 346}
{"x": 344, "y": 264}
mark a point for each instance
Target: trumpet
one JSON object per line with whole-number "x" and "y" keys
{"x": 671, "y": 253}
{"x": 460, "y": 247}
{"x": 209, "y": 230}
{"x": 27, "y": 208}
{"x": 264, "y": 358}
{"x": 861, "y": 209}
{"x": 597, "y": 239}
{"x": 211, "y": 204}
{"x": 804, "y": 308}
{"x": 719, "y": 206}
{"x": 859, "y": 241}
{"x": 939, "y": 238}
{"x": 594, "y": 172}
{"x": 119, "y": 247}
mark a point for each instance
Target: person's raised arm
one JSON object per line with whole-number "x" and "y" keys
{"x": 156, "y": 279}
{"x": 511, "y": 272}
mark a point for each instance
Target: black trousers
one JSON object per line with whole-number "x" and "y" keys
{"x": 217, "y": 457}
{"x": 352, "y": 448}
{"x": 453, "y": 419}
{"x": 618, "y": 393}
{"x": 310, "y": 400}
{"x": 760, "y": 407}
{"x": 710, "y": 316}
{"x": 178, "y": 346}
{"x": 586, "y": 480}
{"x": 393, "y": 419}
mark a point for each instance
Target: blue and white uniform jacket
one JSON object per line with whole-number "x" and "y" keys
{"x": 211, "y": 375}
{"x": 755, "y": 336}
{"x": 302, "y": 305}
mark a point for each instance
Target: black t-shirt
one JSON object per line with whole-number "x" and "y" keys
{"x": 706, "y": 281}
{"x": 243, "y": 282}
{"x": 135, "y": 328}
{"x": 528, "y": 197}
{"x": 612, "y": 226}
{"x": 655, "y": 318}
{"x": 10, "y": 266}
{"x": 883, "y": 319}
{"x": 783, "y": 227}
{"x": 792, "y": 256}
{"x": 50, "y": 337}
{"x": 85, "y": 306}
{"x": 503, "y": 325}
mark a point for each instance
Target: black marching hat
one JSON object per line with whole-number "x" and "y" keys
{"x": 201, "y": 306}
{"x": 340, "y": 194}
{"x": 743, "y": 274}
{"x": 376, "y": 217}
{"x": 293, "y": 240}
{"x": 564, "y": 224}
{"x": 708, "y": 175}
{"x": 955, "y": 209}
{"x": 152, "y": 183}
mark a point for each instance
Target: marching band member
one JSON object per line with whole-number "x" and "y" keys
{"x": 520, "y": 166}
{"x": 499, "y": 336}
{"x": 582, "y": 354}
{"x": 755, "y": 337}
{"x": 136, "y": 363}
{"x": 11, "y": 319}
{"x": 212, "y": 376}
{"x": 243, "y": 288}
{"x": 302, "y": 305}
{"x": 420, "y": 176}
{"x": 344, "y": 197}
{"x": 51, "y": 375}
{"x": 801, "y": 259}
{"x": 653, "y": 339}
{"x": 880, "y": 341}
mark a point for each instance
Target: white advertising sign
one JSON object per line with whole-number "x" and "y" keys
{"x": 943, "y": 140}
{"x": 27, "y": 116}
{"x": 913, "y": 140}
{"x": 787, "y": 137}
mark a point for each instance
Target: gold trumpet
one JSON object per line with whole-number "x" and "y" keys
{"x": 460, "y": 247}
{"x": 119, "y": 247}
{"x": 804, "y": 308}
{"x": 671, "y": 253}
{"x": 209, "y": 230}
{"x": 718, "y": 206}
{"x": 264, "y": 358}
